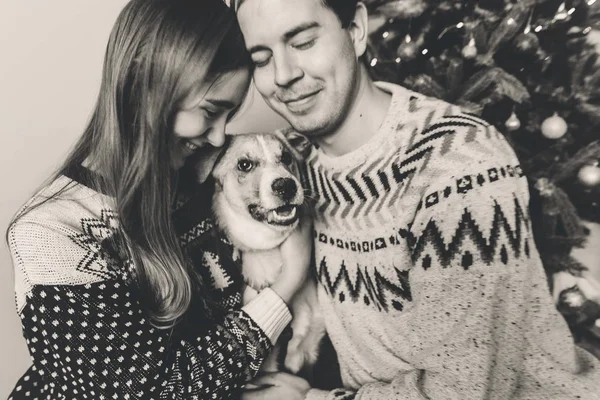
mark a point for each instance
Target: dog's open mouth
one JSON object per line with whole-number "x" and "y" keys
{"x": 284, "y": 215}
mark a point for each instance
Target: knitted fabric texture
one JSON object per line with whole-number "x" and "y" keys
{"x": 430, "y": 281}
{"x": 85, "y": 327}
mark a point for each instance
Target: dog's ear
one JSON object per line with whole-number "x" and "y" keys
{"x": 206, "y": 158}
{"x": 297, "y": 143}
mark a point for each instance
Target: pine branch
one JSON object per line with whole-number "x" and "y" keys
{"x": 594, "y": 15}
{"x": 593, "y": 80}
{"x": 511, "y": 87}
{"x": 403, "y": 9}
{"x": 426, "y": 85}
{"x": 454, "y": 76}
{"x": 478, "y": 83}
{"x": 470, "y": 107}
{"x": 481, "y": 38}
{"x": 579, "y": 68}
{"x": 506, "y": 30}
{"x": 591, "y": 111}
{"x": 504, "y": 84}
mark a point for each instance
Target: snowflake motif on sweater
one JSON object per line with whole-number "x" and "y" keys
{"x": 106, "y": 249}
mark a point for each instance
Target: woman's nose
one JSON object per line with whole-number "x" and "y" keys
{"x": 216, "y": 135}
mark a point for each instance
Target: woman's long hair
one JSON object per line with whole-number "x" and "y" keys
{"x": 159, "y": 52}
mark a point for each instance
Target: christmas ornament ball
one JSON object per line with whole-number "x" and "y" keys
{"x": 408, "y": 51}
{"x": 512, "y": 123}
{"x": 527, "y": 42}
{"x": 589, "y": 175}
{"x": 554, "y": 127}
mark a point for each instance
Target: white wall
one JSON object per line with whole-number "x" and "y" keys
{"x": 51, "y": 56}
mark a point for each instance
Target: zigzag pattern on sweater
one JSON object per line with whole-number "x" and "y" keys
{"x": 375, "y": 289}
{"x": 488, "y": 246}
{"x": 195, "y": 232}
{"x": 250, "y": 337}
{"x": 368, "y": 190}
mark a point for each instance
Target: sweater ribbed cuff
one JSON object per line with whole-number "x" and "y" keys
{"x": 269, "y": 312}
{"x": 318, "y": 394}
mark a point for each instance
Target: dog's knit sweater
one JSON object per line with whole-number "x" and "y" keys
{"x": 84, "y": 322}
{"x": 430, "y": 281}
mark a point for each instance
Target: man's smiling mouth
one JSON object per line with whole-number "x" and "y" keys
{"x": 298, "y": 99}
{"x": 301, "y": 103}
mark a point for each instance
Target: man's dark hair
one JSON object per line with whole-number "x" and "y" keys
{"x": 344, "y": 9}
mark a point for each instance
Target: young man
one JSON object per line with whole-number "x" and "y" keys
{"x": 430, "y": 281}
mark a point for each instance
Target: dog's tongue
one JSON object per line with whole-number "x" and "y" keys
{"x": 285, "y": 211}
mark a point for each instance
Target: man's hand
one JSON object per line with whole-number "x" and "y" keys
{"x": 276, "y": 386}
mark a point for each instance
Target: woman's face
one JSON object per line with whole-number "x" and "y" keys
{"x": 202, "y": 117}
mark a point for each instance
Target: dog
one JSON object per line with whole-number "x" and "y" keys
{"x": 257, "y": 203}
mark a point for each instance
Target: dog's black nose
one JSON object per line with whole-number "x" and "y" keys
{"x": 284, "y": 187}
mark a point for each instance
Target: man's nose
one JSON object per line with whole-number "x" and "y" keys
{"x": 287, "y": 71}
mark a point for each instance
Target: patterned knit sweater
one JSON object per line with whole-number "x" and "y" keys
{"x": 430, "y": 281}
{"x": 86, "y": 330}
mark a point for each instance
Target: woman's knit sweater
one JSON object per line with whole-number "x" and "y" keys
{"x": 430, "y": 281}
{"x": 85, "y": 327}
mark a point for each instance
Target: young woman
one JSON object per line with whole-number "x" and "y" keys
{"x": 122, "y": 285}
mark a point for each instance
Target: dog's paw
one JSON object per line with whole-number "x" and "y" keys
{"x": 294, "y": 361}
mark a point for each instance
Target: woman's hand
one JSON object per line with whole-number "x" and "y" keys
{"x": 276, "y": 386}
{"x": 296, "y": 255}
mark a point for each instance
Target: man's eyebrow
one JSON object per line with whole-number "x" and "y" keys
{"x": 287, "y": 36}
{"x": 300, "y": 28}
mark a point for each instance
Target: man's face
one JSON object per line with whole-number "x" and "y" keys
{"x": 306, "y": 63}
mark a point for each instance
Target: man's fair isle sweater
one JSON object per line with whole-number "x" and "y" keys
{"x": 85, "y": 327}
{"x": 430, "y": 281}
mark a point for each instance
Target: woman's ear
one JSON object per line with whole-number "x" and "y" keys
{"x": 295, "y": 142}
{"x": 359, "y": 29}
{"x": 206, "y": 158}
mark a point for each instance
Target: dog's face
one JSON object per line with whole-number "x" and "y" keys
{"x": 258, "y": 177}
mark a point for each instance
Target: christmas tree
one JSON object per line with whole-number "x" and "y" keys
{"x": 530, "y": 68}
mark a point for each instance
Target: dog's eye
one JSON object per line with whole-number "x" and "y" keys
{"x": 286, "y": 158}
{"x": 245, "y": 165}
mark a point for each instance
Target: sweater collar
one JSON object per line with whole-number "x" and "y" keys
{"x": 399, "y": 102}
{"x": 84, "y": 176}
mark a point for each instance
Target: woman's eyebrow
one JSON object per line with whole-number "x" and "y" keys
{"x": 221, "y": 103}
